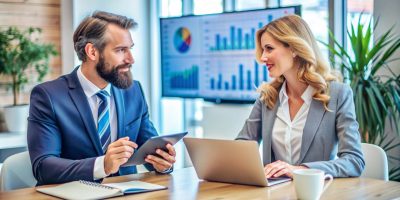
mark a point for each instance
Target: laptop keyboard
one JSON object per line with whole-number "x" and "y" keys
{"x": 273, "y": 181}
{"x": 278, "y": 178}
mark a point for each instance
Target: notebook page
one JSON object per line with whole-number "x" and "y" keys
{"x": 78, "y": 190}
{"x": 135, "y": 186}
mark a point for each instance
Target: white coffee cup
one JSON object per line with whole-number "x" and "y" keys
{"x": 309, "y": 183}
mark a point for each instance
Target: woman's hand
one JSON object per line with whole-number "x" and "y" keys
{"x": 280, "y": 168}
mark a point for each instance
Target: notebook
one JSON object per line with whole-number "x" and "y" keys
{"x": 91, "y": 190}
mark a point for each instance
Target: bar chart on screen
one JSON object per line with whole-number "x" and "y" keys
{"x": 240, "y": 80}
{"x": 223, "y": 36}
{"x": 234, "y": 77}
{"x": 186, "y": 79}
{"x": 213, "y": 56}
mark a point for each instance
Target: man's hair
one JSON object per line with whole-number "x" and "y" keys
{"x": 92, "y": 30}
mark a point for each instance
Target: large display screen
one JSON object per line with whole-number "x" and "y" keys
{"x": 213, "y": 56}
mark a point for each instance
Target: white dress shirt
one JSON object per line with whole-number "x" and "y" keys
{"x": 287, "y": 134}
{"x": 91, "y": 90}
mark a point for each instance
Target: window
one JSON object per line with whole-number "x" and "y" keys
{"x": 171, "y": 8}
{"x": 355, "y": 10}
{"x": 315, "y": 13}
{"x": 207, "y": 6}
{"x": 356, "y": 7}
{"x": 249, "y": 4}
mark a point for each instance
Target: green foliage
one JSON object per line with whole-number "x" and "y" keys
{"x": 19, "y": 51}
{"x": 376, "y": 98}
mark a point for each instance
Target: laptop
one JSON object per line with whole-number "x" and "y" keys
{"x": 229, "y": 161}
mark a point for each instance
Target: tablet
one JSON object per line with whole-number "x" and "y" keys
{"x": 150, "y": 147}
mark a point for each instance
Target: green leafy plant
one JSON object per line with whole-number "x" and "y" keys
{"x": 19, "y": 51}
{"x": 376, "y": 97}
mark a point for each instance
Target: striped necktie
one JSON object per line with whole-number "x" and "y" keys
{"x": 103, "y": 120}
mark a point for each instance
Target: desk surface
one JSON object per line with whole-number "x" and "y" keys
{"x": 184, "y": 184}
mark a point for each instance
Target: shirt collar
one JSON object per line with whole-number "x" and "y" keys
{"x": 88, "y": 87}
{"x": 283, "y": 94}
{"x": 306, "y": 96}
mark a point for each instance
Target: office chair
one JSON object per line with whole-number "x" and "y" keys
{"x": 376, "y": 164}
{"x": 17, "y": 173}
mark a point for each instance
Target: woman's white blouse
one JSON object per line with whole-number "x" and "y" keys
{"x": 287, "y": 134}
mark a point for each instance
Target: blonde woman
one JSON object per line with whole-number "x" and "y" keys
{"x": 305, "y": 118}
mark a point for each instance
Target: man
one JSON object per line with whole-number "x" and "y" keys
{"x": 85, "y": 125}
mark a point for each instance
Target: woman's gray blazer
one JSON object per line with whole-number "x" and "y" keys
{"x": 326, "y": 134}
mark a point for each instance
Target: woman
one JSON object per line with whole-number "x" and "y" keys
{"x": 305, "y": 118}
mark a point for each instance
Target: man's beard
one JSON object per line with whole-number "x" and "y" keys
{"x": 121, "y": 80}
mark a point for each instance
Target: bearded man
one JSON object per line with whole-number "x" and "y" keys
{"x": 85, "y": 125}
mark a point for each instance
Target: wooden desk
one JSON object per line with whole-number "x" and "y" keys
{"x": 184, "y": 184}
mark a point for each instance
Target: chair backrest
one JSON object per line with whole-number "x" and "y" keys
{"x": 17, "y": 173}
{"x": 376, "y": 164}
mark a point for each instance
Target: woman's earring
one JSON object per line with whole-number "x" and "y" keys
{"x": 294, "y": 55}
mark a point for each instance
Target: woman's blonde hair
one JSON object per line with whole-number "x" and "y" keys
{"x": 294, "y": 33}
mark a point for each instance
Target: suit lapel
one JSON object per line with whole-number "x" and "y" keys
{"x": 82, "y": 105}
{"x": 313, "y": 121}
{"x": 269, "y": 114}
{"x": 119, "y": 104}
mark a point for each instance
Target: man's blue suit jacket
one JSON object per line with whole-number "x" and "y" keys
{"x": 62, "y": 137}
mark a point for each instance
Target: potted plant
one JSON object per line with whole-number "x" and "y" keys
{"x": 20, "y": 51}
{"x": 376, "y": 97}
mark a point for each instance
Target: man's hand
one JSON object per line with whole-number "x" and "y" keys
{"x": 280, "y": 168}
{"x": 117, "y": 154}
{"x": 165, "y": 161}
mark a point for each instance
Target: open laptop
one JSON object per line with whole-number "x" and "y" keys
{"x": 229, "y": 161}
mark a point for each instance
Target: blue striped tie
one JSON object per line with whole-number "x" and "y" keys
{"x": 103, "y": 120}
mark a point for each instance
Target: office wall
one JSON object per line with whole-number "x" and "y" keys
{"x": 67, "y": 30}
{"x": 44, "y": 14}
{"x": 388, "y": 12}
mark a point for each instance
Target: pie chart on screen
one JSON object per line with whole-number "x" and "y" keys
{"x": 182, "y": 39}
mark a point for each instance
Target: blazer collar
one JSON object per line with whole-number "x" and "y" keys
{"x": 79, "y": 98}
{"x": 270, "y": 114}
{"x": 313, "y": 121}
{"x": 120, "y": 108}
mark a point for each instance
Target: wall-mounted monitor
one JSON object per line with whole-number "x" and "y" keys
{"x": 213, "y": 56}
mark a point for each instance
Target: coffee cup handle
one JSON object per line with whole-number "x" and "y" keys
{"x": 330, "y": 177}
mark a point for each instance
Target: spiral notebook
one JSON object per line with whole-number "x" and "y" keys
{"x": 91, "y": 190}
